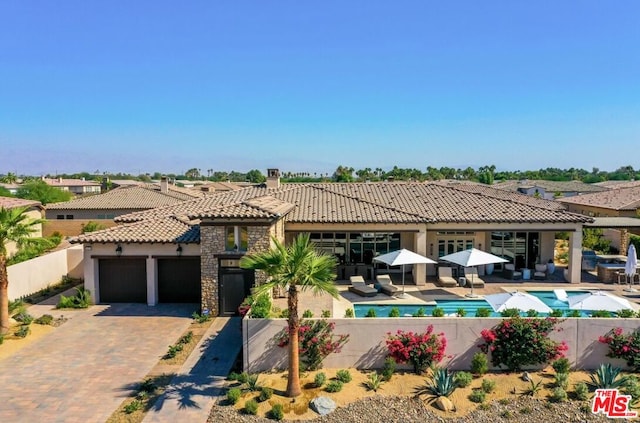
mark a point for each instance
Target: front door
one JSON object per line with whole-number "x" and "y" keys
{"x": 235, "y": 286}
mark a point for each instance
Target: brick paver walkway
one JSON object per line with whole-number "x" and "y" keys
{"x": 81, "y": 371}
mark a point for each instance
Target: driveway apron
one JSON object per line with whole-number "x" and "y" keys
{"x": 82, "y": 371}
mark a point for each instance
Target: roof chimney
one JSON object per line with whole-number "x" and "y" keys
{"x": 164, "y": 184}
{"x": 273, "y": 178}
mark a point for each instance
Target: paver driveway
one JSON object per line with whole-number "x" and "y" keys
{"x": 81, "y": 371}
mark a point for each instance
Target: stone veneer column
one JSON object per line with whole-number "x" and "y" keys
{"x": 212, "y": 242}
{"x": 624, "y": 241}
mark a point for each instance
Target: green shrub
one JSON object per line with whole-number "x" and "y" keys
{"x": 1, "y": 339}
{"x": 483, "y": 312}
{"x": 16, "y": 307}
{"x": 348, "y": 313}
{"x": 461, "y": 312}
{"x": 373, "y": 382}
{"x": 632, "y": 387}
{"x": 320, "y": 379}
{"x": 173, "y": 350}
{"x": 307, "y": 314}
{"x": 243, "y": 377}
{"x": 574, "y": 313}
{"x": 581, "y": 391}
{"x": 510, "y": 312}
{"x": 334, "y": 386}
{"x": 371, "y": 313}
{"x": 601, "y": 313}
{"x": 556, "y": 313}
{"x": 477, "y": 396}
{"x": 133, "y": 406}
{"x": 45, "y": 319}
{"x": 92, "y": 226}
{"x": 82, "y": 299}
{"x": 388, "y": 369}
{"x": 23, "y": 331}
{"x": 343, "y": 376}
{"x": 463, "y": 379}
{"x": 201, "y": 318}
{"x": 624, "y": 346}
{"x": 251, "y": 407}
{"x": 394, "y": 312}
{"x": 488, "y": 385}
{"x": 252, "y": 383}
{"x": 561, "y": 380}
{"x": 24, "y": 318}
{"x": 419, "y": 349}
{"x": 561, "y": 365}
{"x": 479, "y": 364}
{"x": 533, "y": 389}
{"x": 233, "y": 395}
{"x": 277, "y": 412}
{"x": 558, "y": 395}
{"x": 532, "y": 313}
{"x": 233, "y": 376}
{"x": 419, "y": 313}
{"x": 261, "y": 307}
{"x": 625, "y": 313}
{"x": 284, "y": 314}
{"x": 265, "y": 394}
{"x": 326, "y": 314}
{"x": 438, "y": 312}
{"x": 148, "y": 385}
{"x": 186, "y": 338}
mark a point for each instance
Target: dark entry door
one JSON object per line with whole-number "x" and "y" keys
{"x": 122, "y": 280}
{"x": 235, "y": 285}
{"x": 179, "y": 280}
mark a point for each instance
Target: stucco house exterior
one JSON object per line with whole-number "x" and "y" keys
{"x": 550, "y": 190}
{"x": 75, "y": 186}
{"x": 190, "y": 251}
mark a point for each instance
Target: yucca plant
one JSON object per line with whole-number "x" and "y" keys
{"x": 533, "y": 389}
{"x": 607, "y": 377}
{"x": 442, "y": 383}
{"x": 373, "y": 382}
{"x": 252, "y": 383}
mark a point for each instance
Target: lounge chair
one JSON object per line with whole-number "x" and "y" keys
{"x": 445, "y": 278}
{"x": 510, "y": 272}
{"x": 358, "y": 286}
{"x": 541, "y": 272}
{"x": 386, "y": 285}
{"x": 561, "y": 294}
{"x": 471, "y": 274}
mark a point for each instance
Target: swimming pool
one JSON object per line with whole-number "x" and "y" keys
{"x": 451, "y": 307}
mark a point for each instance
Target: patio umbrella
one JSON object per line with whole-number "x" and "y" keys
{"x": 400, "y": 258}
{"x": 599, "y": 300}
{"x": 630, "y": 266}
{"x": 520, "y": 300}
{"x": 472, "y": 258}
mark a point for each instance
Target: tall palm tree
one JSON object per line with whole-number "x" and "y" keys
{"x": 298, "y": 267}
{"x": 14, "y": 226}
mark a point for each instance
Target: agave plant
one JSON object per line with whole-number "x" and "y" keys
{"x": 442, "y": 383}
{"x": 607, "y": 377}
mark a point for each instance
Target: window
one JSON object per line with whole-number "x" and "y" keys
{"x": 70, "y": 216}
{"x": 237, "y": 238}
{"x": 60, "y": 216}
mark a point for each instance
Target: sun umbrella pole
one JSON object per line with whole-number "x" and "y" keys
{"x": 403, "y": 280}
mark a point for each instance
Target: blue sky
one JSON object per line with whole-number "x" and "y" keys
{"x": 144, "y": 86}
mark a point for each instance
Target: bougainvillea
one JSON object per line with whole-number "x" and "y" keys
{"x": 419, "y": 349}
{"x": 517, "y": 342}
{"x": 315, "y": 342}
{"x": 624, "y": 346}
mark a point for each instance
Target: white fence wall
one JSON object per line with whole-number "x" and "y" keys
{"x": 366, "y": 348}
{"x": 33, "y": 275}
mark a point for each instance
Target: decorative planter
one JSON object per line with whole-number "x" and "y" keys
{"x": 551, "y": 268}
{"x": 488, "y": 268}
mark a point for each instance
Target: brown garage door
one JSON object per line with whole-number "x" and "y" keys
{"x": 123, "y": 280}
{"x": 179, "y": 280}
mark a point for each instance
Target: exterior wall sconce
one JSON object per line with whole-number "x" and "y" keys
{"x": 179, "y": 250}
{"x": 119, "y": 250}
{"x": 480, "y": 246}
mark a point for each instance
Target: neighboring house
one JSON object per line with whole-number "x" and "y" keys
{"x": 618, "y": 184}
{"x": 75, "y": 186}
{"x": 69, "y": 216}
{"x": 191, "y": 251}
{"x": 619, "y": 202}
{"x": 549, "y": 190}
{"x": 221, "y": 186}
{"x": 34, "y": 211}
{"x": 12, "y": 188}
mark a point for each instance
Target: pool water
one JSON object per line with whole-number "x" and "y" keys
{"x": 451, "y": 307}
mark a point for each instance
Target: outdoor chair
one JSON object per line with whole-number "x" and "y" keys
{"x": 386, "y": 285}
{"x": 540, "y": 272}
{"x": 622, "y": 277}
{"x": 445, "y": 278}
{"x": 471, "y": 274}
{"x": 359, "y": 287}
{"x": 510, "y": 272}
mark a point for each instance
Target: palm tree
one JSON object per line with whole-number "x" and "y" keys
{"x": 14, "y": 226}
{"x": 296, "y": 267}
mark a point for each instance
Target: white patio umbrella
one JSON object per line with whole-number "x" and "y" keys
{"x": 400, "y": 258}
{"x": 472, "y": 258}
{"x": 520, "y": 300}
{"x": 599, "y": 300}
{"x": 630, "y": 266}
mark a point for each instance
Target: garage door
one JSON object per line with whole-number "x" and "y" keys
{"x": 179, "y": 280}
{"x": 123, "y": 280}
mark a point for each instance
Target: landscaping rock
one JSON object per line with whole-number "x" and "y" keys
{"x": 322, "y": 405}
{"x": 526, "y": 377}
{"x": 444, "y": 404}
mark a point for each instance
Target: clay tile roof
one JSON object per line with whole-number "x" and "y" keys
{"x": 166, "y": 230}
{"x": 59, "y": 182}
{"x": 131, "y": 197}
{"x": 550, "y": 186}
{"x": 266, "y": 207}
{"x": 618, "y": 184}
{"x": 615, "y": 199}
{"x": 13, "y": 202}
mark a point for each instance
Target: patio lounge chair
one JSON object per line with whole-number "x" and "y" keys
{"x": 510, "y": 272}
{"x": 561, "y": 294}
{"x": 386, "y": 285}
{"x": 445, "y": 278}
{"x": 358, "y": 286}
{"x": 471, "y": 274}
{"x": 541, "y": 272}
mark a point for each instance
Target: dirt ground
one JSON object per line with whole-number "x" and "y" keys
{"x": 508, "y": 386}
{"x": 12, "y": 343}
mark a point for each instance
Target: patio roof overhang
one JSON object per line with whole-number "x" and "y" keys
{"x": 614, "y": 222}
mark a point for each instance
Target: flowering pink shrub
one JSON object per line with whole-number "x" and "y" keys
{"x": 623, "y": 346}
{"x": 518, "y": 342}
{"x": 419, "y": 349}
{"x": 315, "y": 342}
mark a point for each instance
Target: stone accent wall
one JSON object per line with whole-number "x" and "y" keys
{"x": 624, "y": 241}
{"x": 212, "y": 242}
{"x": 259, "y": 239}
